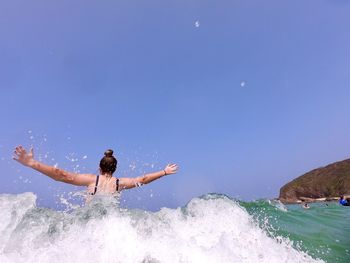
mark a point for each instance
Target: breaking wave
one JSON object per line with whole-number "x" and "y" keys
{"x": 212, "y": 228}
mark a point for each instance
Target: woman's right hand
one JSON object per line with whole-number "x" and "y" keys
{"x": 24, "y": 157}
{"x": 170, "y": 169}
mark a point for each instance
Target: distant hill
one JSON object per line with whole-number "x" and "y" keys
{"x": 332, "y": 180}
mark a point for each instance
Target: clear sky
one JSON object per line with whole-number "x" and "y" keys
{"x": 243, "y": 95}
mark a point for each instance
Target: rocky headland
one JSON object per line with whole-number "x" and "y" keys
{"x": 321, "y": 184}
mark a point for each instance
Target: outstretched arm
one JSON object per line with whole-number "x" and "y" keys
{"x": 27, "y": 159}
{"x": 127, "y": 183}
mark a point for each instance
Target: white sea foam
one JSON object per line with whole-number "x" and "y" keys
{"x": 208, "y": 229}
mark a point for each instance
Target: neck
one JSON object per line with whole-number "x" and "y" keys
{"x": 106, "y": 174}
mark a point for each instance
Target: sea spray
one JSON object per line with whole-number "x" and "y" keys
{"x": 209, "y": 229}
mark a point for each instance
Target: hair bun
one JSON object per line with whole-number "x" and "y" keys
{"x": 109, "y": 153}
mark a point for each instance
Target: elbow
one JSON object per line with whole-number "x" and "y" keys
{"x": 63, "y": 176}
{"x": 140, "y": 181}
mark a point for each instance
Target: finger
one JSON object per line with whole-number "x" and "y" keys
{"x": 23, "y": 149}
{"x": 14, "y": 158}
{"x": 31, "y": 150}
{"x": 16, "y": 152}
{"x": 20, "y": 149}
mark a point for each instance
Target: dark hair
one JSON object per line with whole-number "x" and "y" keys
{"x": 108, "y": 163}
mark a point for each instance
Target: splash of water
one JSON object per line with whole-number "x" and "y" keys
{"x": 208, "y": 229}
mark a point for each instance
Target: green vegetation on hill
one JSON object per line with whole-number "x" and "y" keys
{"x": 325, "y": 182}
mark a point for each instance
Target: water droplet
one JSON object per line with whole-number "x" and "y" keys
{"x": 197, "y": 23}
{"x": 243, "y": 84}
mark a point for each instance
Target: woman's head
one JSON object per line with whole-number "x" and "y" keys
{"x": 108, "y": 163}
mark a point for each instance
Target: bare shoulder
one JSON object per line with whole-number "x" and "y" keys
{"x": 84, "y": 179}
{"x": 127, "y": 183}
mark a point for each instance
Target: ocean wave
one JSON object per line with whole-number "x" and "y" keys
{"x": 212, "y": 228}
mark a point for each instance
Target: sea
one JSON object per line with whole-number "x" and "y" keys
{"x": 210, "y": 228}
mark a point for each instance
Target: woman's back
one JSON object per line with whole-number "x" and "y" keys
{"x": 104, "y": 184}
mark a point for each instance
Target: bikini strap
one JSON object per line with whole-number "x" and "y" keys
{"x": 117, "y": 184}
{"x": 97, "y": 177}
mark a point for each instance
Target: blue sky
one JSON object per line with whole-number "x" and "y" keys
{"x": 253, "y": 95}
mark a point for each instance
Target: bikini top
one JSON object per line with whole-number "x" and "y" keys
{"x": 116, "y": 185}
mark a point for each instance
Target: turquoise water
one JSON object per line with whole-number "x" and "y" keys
{"x": 322, "y": 231}
{"x": 210, "y": 228}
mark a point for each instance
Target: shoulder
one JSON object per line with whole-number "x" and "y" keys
{"x": 91, "y": 176}
{"x": 85, "y": 179}
{"x": 127, "y": 183}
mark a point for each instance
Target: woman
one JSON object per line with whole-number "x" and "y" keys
{"x": 103, "y": 183}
